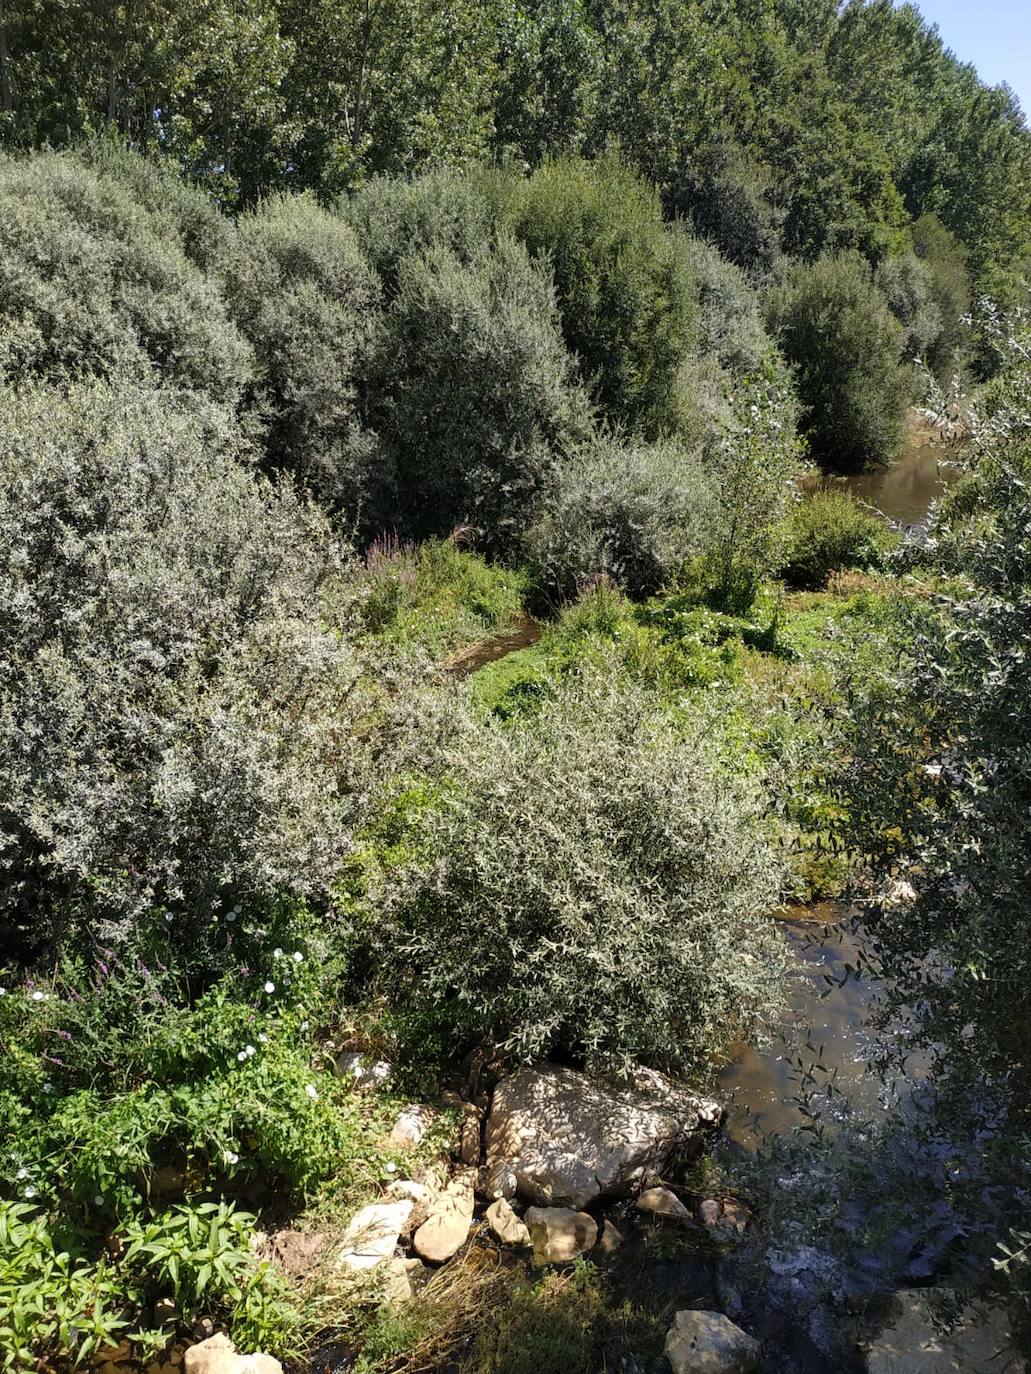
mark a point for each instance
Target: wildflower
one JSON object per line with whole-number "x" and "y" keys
{"x": 249, "y": 1051}
{"x": 22, "y": 1173}
{"x": 38, "y": 996}
{"x": 298, "y": 957}
{"x": 277, "y": 953}
{"x": 3, "y": 992}
{"x": 312, "y": 1091}
{"x": 241, "y": 1056}
{"x": 29, "y": 1192}
{"x": 262, "y": 1038}
{"x": 230, "y": 916}
{"x": 48, "y": 1087}
{"x": 98, "y": 1201}
{"x": 270, "y": 987}
{"x": 231, "y": 1157}
{"x": 391, "y": 1168}
{"x": 168, "y": 916}
{"x": 304, "y": 1025}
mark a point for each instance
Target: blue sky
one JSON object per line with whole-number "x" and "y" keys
{"x": 995, "y": 35}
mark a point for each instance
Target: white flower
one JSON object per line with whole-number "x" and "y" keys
{"x": 298, "y": 957}
{"x": 230, "y": 916}
{"x": 3, "y": 992}
{"x": 98, "y": 1201}
{"x": 29, "y": 1192}
{"x": 304, "y": 1025}
{"x": 242, "y": 1056}
{"x": 249, "y": 1051}
{"x": 391, "y": 1168}
{"x": 270, "y": 986}
{"x": 22, "y": 1173}
{"x": 38, "y": 996}
{"x": 311, "y": 1090}
{"x": 277, "y": 953}
{"x": 231, "y": 1157}
{"x": 262, "y": 1038}
{"x": 168, "y": 916}
{"x": 236, "y": 910}
{"x": 48, "y": 1087}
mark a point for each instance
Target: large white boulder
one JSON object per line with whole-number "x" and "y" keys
{"x": 913, "y": 1345}
{"x": 560, "y": 1138}
{"x": 710, "y": 1343}
{"x": 372, "y": 1234}
{"x": 219, "y": 1355}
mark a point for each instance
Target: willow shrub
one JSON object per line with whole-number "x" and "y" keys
{"x": 96, "y": 280}
{"x": 173, "y": 696}
{"x": 624, "y": 283}
{"x": 307, "y": 299}
{"x": 835, "y": 327}
{"x": 629, "y": 512}
{"x": 593, "y": 882}
{"x": 476, "y": 404}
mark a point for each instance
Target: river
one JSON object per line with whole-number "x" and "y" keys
{"x": 905, "y": 490}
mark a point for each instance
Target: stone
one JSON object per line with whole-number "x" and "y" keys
{"x": 498, "y": 1180}
{"x": 559, "y": 1234}
{"x": 504, "y": 1223}
{"x": 450, "y": 1216}
{"x": 396, "y": 1280}
{"x": 913, "y": 1345}
{"x": 408, "y": 1188}
{"x": 470, "y": 1143}
{"x": 726, "y": 1217}
{"x": 662, "y": 1202}
{"x": 611, "y": 1238}
{"x": 372, "y": 1234}
{"x": 203, "y": 1329}
{"x": 411, "y": 1126}
{"x": 218, "y": 1355}
{"x": 566, "y": 1139}
{"x": 710, "y": 1343}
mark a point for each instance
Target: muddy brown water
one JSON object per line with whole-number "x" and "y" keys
{"x": 905, "y": 490}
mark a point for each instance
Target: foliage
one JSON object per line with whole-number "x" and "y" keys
{"x": 476, "y": 405}
{"x": 303, "y": 294}
{"x": 437, "y": 594}
{"x": 731, "y": 327}
{"x": 95, "y": 280}
{"x": 622, "y": 282}
{"x": 907, "y": 285}
{"x": 593, "y": 884}
{"x": 827, "y": 531}
{"x": 836, "y": 329}
{"x": 168, "y": 689}
{"x": 627, "y": 511}
{"x": 946, "y": 261}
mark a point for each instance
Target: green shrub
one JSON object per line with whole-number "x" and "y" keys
{"x": 303, "y": 293}
{"x": 595, "y": 884}
{"x": 624, "y": 510}
{"x": 946, "y": 260}
{"x": 394, "y": 218}
{"x": 477, "y": 406}
{"x": 907, "y": 284}
{"x": 828, "y": 531}
{"x": 836, "y": 329}
{"x": 730, "y": 323}
{"x": 95, "y": 280}
{"x": 170, "y": 700}
{"x": 623, "y": 283}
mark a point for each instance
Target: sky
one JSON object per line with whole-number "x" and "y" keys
{"x": 995, "y": 35}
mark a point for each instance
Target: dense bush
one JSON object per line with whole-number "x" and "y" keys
{"x": 946, "y": 261}
{"x": 836, "y": 329}
{"x": 476, "y": 404}
{"x": 306, "y": 298}
{"x": 624, "y": 510}
{"x": 828, "y": 531}
{"x": 623, "y": 283}
{"x": 730, "y": 327}
{"x": 96, "y": 279}
{"x": 394, "y": 218}
{"x": 596, "y": 884}
{"x": 907, "y": 285}
{"x": 168, "y": 692}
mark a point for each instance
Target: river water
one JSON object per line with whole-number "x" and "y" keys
{"x": 905, "y": 490}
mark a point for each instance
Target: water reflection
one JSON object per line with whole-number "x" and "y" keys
{"x": 904, "y": 491}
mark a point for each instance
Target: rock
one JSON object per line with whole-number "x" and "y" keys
{"x": 410, "y": 1127}
{"x": 372, "y": 1234}
{"x": 203, "y": 1329}
{"x": 566, "y": 1139}
{"x": 218, "y": 1355}
{"x": 470, "y": 1147}
{"x": 610, "y": 1239}
{"x": 710, "y": 1343}
{"x": 912, "y": 1344}
{"x": 727, "y": 1217}
{"x": 450, "y": 1216}
{"x": 559, "y": 1234}
{"x": 407, "y": 1187}
{"x": 505, "y": 1224}
{"x": 396, "y": 1277}
{"x": 661, "y": 1202}
{"x": 498, "y": 1180}
{"x": 164, "y": 1311}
